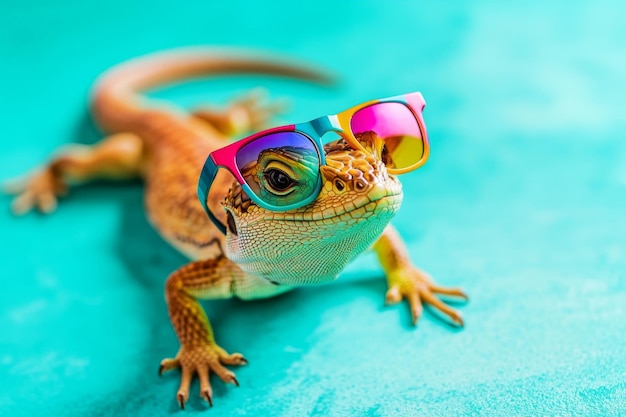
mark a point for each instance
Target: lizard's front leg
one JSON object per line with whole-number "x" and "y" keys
{"x": 407, "y": 281}
{"x": 199, "y": 353}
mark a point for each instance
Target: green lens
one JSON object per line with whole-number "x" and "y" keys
{"x": 282, "y": 168}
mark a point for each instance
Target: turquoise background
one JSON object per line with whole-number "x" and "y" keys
{"x": 522, "y": 204}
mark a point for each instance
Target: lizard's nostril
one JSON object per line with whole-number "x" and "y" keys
{"x": 360, "y": 185}
{"x": 339, "y": 185}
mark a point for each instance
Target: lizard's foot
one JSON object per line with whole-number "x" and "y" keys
{"x": 118, "y": 156}
{"x": 253, "y": 110}
{"x": 250, "y": 112}
{"x": 40, "y": 190}
{"x": 202, "y": 360}
{"x": 417, "y": 287}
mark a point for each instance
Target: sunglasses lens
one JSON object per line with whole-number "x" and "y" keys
{"x": 281, "y": 168}
{"x": 396, "y": 125}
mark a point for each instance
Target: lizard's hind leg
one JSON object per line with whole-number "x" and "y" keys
{"x": 248, "y": 113}
{"x": 118, "y": 156}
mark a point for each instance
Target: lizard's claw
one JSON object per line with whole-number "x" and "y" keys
{"x": 39, "y": 190}
{"x": 202, "y": 360}
{"x": 417, "y": 288}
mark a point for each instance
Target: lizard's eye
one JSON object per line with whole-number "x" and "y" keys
{"x": 277, "y": 181}
{"x": 286, "y": 176}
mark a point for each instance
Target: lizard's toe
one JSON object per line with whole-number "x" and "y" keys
{"x": 168, "y": 364}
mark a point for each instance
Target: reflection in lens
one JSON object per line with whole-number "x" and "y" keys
{"x": 396, "y": 126}
{"x": 281, "y": 168}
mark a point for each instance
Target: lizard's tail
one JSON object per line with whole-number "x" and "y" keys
{"x": 117, "y": 100}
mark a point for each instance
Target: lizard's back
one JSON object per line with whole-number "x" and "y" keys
{"x": 175, "y": 144}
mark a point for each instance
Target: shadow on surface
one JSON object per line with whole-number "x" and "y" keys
{"x": 86, "y": 131}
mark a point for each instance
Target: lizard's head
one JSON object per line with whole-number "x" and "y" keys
{"x": 314, "y": 243}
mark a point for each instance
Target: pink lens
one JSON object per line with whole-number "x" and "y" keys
{"x": 396, "y": 126}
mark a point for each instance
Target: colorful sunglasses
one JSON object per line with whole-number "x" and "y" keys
{"x": 279, "y": 168}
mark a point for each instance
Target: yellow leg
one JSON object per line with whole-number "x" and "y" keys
{"x": 118, "y": 156}
{"x": 407, "y": 281}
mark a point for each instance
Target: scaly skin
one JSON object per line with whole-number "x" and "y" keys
{"x": 266, "y": 253}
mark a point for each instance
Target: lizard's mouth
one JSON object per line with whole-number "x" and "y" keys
{"x": 357, "y": 209}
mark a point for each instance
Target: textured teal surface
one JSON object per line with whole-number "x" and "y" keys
{"x": 522, "y": 204}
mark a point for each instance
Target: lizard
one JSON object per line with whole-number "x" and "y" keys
{"x": 263, "y": 253}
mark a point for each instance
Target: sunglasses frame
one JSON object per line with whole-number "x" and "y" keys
{"x": 313, "y": 130}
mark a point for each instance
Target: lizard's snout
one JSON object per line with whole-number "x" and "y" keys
{"x": 343, "y": 182}
{"x": 354, "y": 172}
